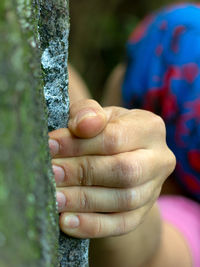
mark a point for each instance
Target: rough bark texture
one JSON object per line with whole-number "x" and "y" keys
{"x": 53, "y": 22}
{"x": 28, "y": 219}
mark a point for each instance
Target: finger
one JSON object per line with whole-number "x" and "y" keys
{"x": 100, "y": 199}
{"x": 87, "y": 118}
{"x": 123, "y": 170}
{"x": 96, "y": 225}
{"x": 127, "y": 133}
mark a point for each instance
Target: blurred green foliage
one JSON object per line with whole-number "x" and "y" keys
{"x": 99, "y": 30}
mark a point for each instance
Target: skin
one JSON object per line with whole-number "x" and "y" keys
{"x": 110, "y": 165}
{"x": 109, "y": 168}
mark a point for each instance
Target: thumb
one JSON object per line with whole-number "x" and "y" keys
{"x": 87, "y": 118}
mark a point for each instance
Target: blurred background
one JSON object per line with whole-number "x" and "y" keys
{"x": 99, "y": 30}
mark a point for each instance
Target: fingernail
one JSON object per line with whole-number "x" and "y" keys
{"x": 71, "y": 221}
{"x": 61, "y": 200}
{"x": 84, "y": 114}
{"x": 54, "y": 147}
{"x": 58, "y": 173}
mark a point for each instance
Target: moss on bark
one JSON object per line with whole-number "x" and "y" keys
{"x": 35, "y": 35}
{"x": 53, "y": 30}
{"x": 28, "y": 225}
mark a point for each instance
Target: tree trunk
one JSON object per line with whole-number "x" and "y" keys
{"x": 29, "y": 229}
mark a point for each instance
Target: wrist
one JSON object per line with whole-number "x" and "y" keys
{"x": 136, "y": 247}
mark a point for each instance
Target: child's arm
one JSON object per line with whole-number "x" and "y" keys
{"x": 152, "y": 244}
{"x": 137, "y": 245}
{"x": 77, "y": 87}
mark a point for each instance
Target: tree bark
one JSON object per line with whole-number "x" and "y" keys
{"x": 53, "y": 22}
{"x": 28, "y": 219}
{"x": 29, "y": 229}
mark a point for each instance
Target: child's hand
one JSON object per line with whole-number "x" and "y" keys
{"x": 109, "y": 168}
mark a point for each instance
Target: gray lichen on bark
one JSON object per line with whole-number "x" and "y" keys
{"x": 29, "y": 229}
{"x": 29, "y": 222}
{"x": 53, "y": 35}
{"x": 53, "y": 29}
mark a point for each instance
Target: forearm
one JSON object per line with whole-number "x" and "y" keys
{"x": 112, "y": 96}
{"x": 77, "y": 87}
{"x": 113, "y": 86}
{"x": 173, "y": 249}
{"x": 149, "y": 245}
{"x": 154, "y": 243}
{"x": 134, "y": 249}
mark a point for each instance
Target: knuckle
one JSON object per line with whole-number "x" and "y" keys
{"x": 111, "y": 139}
{"x": 167, "y": 163}
{"x": 89, "y": 166}
{"x": 126, "y": 199}
{"x": 170, "y": 163}
{"x": 92, "y": 102}
{"x": 129, "y": 171}
{"x": 123, "y": 226}
{"x": 96, "y": 229}
{"x": 130, "y": 199}
{"x": 137, "y": 171}
{"x": 135, "y": 198}
{"x": 156, "y": 125}
{"x": 85, "y": 172}
{"x": 83, "y": 104}
{"x": 84, "y": 200}
{"x": 125, "y": 171}
{"x": 82, "y": 174}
